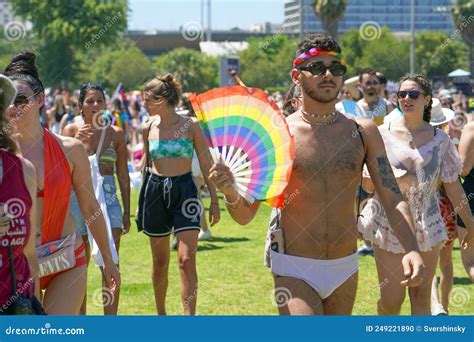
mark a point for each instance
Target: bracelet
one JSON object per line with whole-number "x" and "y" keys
{"x": 233, "y": 205}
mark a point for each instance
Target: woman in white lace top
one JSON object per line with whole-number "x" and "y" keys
{"x": 420, "y": 156}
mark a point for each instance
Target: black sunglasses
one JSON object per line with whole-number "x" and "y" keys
{"x": 21, "y": 99}
{"x": 412, "y": 94}
{"x": 318, "y": 68}
{"x": 91, "y": 85}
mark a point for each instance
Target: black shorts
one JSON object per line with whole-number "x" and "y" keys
{"x": 169, "y": 204}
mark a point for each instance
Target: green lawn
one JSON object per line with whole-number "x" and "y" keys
{"x": 232, "y": 278}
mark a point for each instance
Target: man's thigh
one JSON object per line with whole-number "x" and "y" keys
{"x": 295, "y": 297}
{"x": 341, "y": 301}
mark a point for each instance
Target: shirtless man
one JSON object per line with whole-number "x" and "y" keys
{"x": 319, "y": 265}
{"x": 375, "y": 105}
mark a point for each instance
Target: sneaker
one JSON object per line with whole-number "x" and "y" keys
{"x": 438, "y": 310}
{"x": 204, "y": 235}
{"x": 174, "y": 242}
{"x": 365, "y": 250}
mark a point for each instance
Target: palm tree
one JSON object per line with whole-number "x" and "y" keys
{"x": 463, "y": 14}
{"x": 329, "y": 12}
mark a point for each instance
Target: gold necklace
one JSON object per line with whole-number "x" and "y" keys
{"x": 334, "y": 118}
{"x": 315, "y": 115}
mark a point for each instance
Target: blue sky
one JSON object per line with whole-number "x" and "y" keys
{"x": 226, "y": 14}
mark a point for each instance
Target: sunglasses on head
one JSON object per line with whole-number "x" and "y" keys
{"x": 318, "y": 68}
{"x": 412, "y": 94}
{"x": 91, "y": 85}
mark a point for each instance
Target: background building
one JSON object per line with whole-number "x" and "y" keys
{"x": 6, "y": 13}
{"x": 433, "y": 15}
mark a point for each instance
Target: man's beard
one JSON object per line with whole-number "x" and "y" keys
{"x": 316, "y": 95}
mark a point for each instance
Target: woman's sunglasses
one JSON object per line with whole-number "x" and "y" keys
{"x": 21, "y": 100}
{"x": 318, "y": 68}
{"x": 412, "y": 94}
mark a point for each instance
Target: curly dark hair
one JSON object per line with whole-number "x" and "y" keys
{"x": 85, "y": 89}
{"x": 23, "y": 68}
{"x": 321, "y": 41}
{"x": 426, "y": 88}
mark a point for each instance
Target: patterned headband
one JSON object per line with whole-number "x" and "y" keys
{"x": 313, "y": 52}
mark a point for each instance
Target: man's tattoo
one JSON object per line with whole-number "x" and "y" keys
{"x": 388, "y": 178}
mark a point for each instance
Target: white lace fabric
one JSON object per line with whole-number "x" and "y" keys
{"x": 418, "y": 172}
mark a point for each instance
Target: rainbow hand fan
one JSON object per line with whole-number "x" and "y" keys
{"x": 247, "y": 132}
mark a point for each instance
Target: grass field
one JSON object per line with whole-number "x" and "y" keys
{"x": 232, "y": 278}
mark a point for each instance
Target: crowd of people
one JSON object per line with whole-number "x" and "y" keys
{"x": 369, "y": 164}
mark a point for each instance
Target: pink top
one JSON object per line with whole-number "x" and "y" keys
{"x": 15, "y": 206}
{"x": 418, "y": 172}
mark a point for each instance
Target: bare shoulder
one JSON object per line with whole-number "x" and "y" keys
{"x": 368, "y": 128}
{"x": 118, "y": 134}
{"x": 292, "y": 118}
{"x": 71, "y": 129}
{"x": 192, "y": 124}
{"x": 71, "y": 146}
{"x": 294, "y": 122}
{"x": 117, "y": 130}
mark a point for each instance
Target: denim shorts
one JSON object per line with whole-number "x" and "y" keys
{"x": 114, "y": 211}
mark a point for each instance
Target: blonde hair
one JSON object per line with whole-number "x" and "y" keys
{"x": 165, "y": 86}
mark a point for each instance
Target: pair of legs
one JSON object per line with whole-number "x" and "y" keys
{"x": 302, "y": 299}
{"x": 187, "y": 248}
{"x": 390, "y": 274}
{"x": 110, "y": 301}
{"x": 65, "y": 292}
